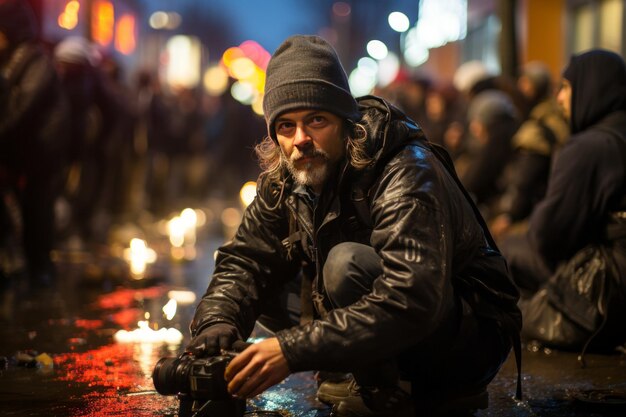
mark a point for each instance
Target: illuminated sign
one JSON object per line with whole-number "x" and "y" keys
{"x": 102, "y": 22}
{"x": 125, "y": 41}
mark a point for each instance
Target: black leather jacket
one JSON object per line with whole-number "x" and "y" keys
{"x": 432, "y": 247}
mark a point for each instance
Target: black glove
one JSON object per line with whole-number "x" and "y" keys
{"x": 210, "y": 340}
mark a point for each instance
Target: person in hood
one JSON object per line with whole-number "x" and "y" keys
{"x": 401, "y": 286}
{"x": 585, "y": 203}
{"x": 33, "y": 123}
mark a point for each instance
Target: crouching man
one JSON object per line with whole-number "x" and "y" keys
{"x": 408, "y": 293}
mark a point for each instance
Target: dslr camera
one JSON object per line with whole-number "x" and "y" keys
{"x": 199, "y": 384}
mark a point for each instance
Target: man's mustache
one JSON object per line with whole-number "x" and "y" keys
{"x": 297, "y": 154}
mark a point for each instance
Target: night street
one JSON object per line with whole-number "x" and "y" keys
{"x": 386, "y": 194}
{"x": 77, "y": 325}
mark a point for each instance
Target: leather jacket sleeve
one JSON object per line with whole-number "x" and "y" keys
{"x": 424, "y": 230}
{"x": 249, "y": 268}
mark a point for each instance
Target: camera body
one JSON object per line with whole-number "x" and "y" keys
{"x": 199, "y": 384}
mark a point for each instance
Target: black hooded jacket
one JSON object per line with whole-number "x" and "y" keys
{"x": 33, "y": 107}
{"x": 588, "y": 179}
{"x": 432, "y": 247}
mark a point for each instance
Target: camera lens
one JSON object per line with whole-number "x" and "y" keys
{"x": 171, "y": 376}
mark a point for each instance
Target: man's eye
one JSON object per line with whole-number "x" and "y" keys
{"x": 318, "y": 120}
{"x": 283, "y": 127}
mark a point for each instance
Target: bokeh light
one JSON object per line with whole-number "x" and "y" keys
{"x": 247, "y": 193}
{"x": 158, "y": 20}
{"x": 388, "y": 69}
{"x": 361, "y": 82}
{"x": 377, "y": 49}
{"x": 215, "y": 80}
{"x": 398, "y": 21}
{"x": 243, "y": 92}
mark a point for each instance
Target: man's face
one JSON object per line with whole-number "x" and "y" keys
{"x": 312, "y": 144}
{"x": 564, "y": 98}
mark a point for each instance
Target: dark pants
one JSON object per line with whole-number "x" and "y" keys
{"x": 465, "y": 352}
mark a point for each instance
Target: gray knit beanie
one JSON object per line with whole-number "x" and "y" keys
{"x": 305, "y": 72}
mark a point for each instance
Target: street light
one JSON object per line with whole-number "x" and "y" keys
{"x": 377, "y": 49}
{"x": 398, "y": 21}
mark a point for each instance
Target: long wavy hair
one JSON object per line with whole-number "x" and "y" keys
{"x": 272, "y": 160}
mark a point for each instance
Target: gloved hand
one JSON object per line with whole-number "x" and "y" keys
{"x": 210, "y": 340}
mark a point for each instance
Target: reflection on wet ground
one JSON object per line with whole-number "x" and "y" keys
{"x": 92, "y": 374}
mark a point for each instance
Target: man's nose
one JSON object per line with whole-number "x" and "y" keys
{"x": 302, "y": 137}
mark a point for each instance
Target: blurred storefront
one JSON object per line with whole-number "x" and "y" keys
{"x": 596, "y": 23}
{"x": 504, "y": 34}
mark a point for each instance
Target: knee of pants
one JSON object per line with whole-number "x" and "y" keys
{"x": 349, "y": 272}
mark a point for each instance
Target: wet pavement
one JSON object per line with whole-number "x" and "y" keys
{"x": 85, "y": 366}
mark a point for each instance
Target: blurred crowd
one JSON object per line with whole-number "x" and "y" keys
{"x": 84, "y": 147}
{"x": 501, "y": 132}
{"x": 545, "y": 165}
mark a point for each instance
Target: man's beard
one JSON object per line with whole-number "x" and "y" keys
{"x": 312, "y": 174}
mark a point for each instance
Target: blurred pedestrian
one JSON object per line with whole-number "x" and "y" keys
{"x": 230, "y": 147}
{"x": 534, "y": 145}
{"x": 472, "y": 79}
{"x": 492, "y": 120}
{"x": 410, "y": 95}
{"x": 33, "y": 133}
{"x": 119, "y": 152}
{"x": 444, "y": 118}
{"x": 152, "y": 135}
{"x": 573, "y": 264}
{"x": 92, "y": 111}
{"x": 400, "y": 285}
{"x": 185, "y": 148}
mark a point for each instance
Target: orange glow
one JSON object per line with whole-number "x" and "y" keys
{"x": 68, "y": 19}
{"x": 125, "y": 34}
{"x": 231, "y": 54}
{"x": 102, "y": 21}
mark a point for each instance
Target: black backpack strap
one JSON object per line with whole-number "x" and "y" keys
{"x": 445, "y": 159}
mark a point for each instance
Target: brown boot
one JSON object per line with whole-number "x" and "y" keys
{"x": 332, "y": 390}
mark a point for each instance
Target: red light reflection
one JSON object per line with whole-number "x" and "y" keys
{"x": 88, "y": 324}
{"x": 127, "y": 318}
{"x": 111, "y": 373}
{"x": 125, "y": 298}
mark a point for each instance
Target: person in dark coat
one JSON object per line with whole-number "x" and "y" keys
{"x": 33, "y": 132}
{"x": 95, "y": 116}
{"x": 534, "y": 145}
{"x": 585, "y": 206}
{"x": 406, "y": 291}
{"x": 492, "y": 120}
